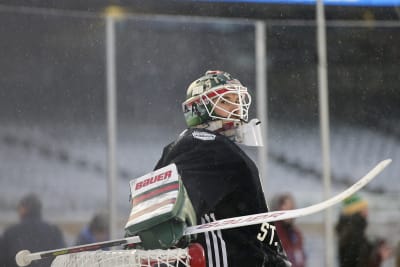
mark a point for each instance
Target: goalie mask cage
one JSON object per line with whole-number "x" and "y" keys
{"x": 192, "y": 256}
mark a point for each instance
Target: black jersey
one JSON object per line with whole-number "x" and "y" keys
{"x": 223, "y": 182}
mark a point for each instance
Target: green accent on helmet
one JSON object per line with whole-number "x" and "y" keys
{"x": 197, "y": 114}
{"x": 210, "y": 80}
{"x": 195, "y": 107}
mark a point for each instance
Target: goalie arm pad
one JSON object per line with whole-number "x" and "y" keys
{"x": 161, "y": 209}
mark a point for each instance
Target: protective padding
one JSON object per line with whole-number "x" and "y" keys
{"x": 161, "y": 209}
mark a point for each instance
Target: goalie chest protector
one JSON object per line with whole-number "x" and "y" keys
{"x": 161, "y": 209}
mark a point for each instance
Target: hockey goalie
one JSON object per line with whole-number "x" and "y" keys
{"x": 218, "y": 177}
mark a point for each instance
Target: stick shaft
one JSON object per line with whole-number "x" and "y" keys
{"x": 88, "y": 247}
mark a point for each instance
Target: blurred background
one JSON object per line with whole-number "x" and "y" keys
{"x": 53, "y": 100}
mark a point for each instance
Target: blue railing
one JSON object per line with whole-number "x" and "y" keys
{"x": 372, "y": 3}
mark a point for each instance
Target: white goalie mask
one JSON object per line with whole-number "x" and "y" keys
{"x": 220, "y": 103}
{"x": 216, "y": 96}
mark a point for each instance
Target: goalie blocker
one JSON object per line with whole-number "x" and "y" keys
{"x": 161, "y": 210}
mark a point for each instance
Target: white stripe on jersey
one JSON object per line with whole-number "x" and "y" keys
{"x": 213, "y": 248}
{"x": 224, "y": 256}
{"x": 209, "y": 253}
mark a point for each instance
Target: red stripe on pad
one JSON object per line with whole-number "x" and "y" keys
{"x": 155, "y": 192}
{"x": 152, "y": 208}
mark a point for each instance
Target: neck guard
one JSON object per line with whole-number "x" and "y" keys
{"x": 245, "y": 133}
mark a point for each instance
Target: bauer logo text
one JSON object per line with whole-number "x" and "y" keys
{"x": 152, "y": 180}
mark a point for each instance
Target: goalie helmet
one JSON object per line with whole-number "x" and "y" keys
{"x": 207, "y": 95}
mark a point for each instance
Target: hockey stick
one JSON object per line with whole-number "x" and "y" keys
{"x": 288, "y": 214}
{"x": 24, "y": 257}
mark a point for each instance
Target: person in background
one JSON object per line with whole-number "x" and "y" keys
{"x": 31, "y": 233}
{"x": 354, "y": 247}
{"x": 96, "y": 231}
{"x": 290, "y": 235}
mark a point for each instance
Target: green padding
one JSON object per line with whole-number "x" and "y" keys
{"x": 166, "y": 230}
